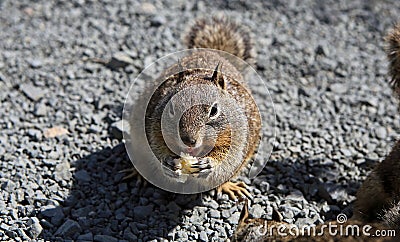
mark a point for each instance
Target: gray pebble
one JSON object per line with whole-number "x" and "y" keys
{"x": 215, "y": 214}
{"x": 120, "y": 60}
{"x": 40, "y": 109}
{"x": 105, "y": 238}
{"x": 117, "y": 129}
{"x": 83, "y": 176}
{"x": 35, "y": 63}
{"x": 87, "y": 237}
{"x": 338, "y": 88}
{"x": 55, "y": 214}
{"x": 32, "y": 92}
{"x": 157, "y": 21}
{"x": 62, "y": 172}
{"x": 203, "y": 236}
{"x": 381, "y": 132}
{"x": 142, "y": 212}
{"x": 68, "y": 229}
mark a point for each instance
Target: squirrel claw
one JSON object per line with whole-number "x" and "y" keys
{"x": 233, "y": 189}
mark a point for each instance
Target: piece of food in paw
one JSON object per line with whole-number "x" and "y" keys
{"x": 186, "y": 162}
{"x": 183, "y": 167}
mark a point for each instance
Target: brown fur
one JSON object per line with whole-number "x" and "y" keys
{"x": 221, "y": 35}
{"x": 381, "y": 188}
{"x": 393, "y": 53}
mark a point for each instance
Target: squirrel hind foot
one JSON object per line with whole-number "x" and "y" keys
{"x": 234, "y": 189}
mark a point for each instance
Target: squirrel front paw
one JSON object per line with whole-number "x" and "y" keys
{"x": 172, "y": 163}
{"x": 203, "y": 166}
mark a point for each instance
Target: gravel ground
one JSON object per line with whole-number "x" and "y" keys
{"x": 324, "y": 65}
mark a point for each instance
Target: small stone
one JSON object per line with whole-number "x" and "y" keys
{"x": 68, "y": 229}
{"x": 105, "y": 238}
{"x": 32, "y": 92}
{"x": 35, "y": 63}
{"x": 87, "y": 237}
{"x": 371, "y": 101}
{"x": 346, "y": 152}
{"x": 257, "y": 211}
{"x": 381, "y": 132}
{"x": 128, "y": 235}
{"x": 120, "y": 60}
{"x": 173, "y": 207}
{"x": 34, "y": 228}
{"x": 296, "y": 195}
{"x": 55, "y": 214}
{"x": 62, "y": 172}
{"x": 295, "y": 149}
{"x": 82, "y": 175}
{"x": 215, "y": 214}
{"x": 338, "y": 88}
{"x": 157, "y": 21}
{"x": 8, "y": 186}
{"x": 34, "y": 134}
{"x": 226, "y": 213}
{"x": 40, "y": 109}
{"x": 142, "y": 212}
{"x": 320, "y": 50}
{"x": 116, "y": 129}
{"x": 148, "y": 8}
{"x": 203, "y": 236}
{"x": 213, "y": 204}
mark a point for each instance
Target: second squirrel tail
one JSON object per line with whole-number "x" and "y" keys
{"x": 223, "y": 34}
{"x": 393, "y": 52}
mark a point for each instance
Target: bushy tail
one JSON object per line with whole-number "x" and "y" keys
{"x": 223, "y": 34}
{"x": 393, "y": 52}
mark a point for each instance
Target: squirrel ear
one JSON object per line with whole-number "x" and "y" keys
{"x": 218, "y": 77}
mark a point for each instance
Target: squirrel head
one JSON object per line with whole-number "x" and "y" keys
{"x": 193, "y": 116}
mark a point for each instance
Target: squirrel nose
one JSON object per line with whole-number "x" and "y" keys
{"x": 189, "y": 141}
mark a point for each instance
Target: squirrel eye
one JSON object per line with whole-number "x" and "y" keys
{"x": 214, "y": 111}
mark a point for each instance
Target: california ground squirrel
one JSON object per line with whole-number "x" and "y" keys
{"x": 204, "y": 144}
{"x": 382, "y": 187}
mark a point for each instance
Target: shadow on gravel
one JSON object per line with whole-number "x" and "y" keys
{"x": 315, "y": 180}
{"x": 101, "y": 204}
